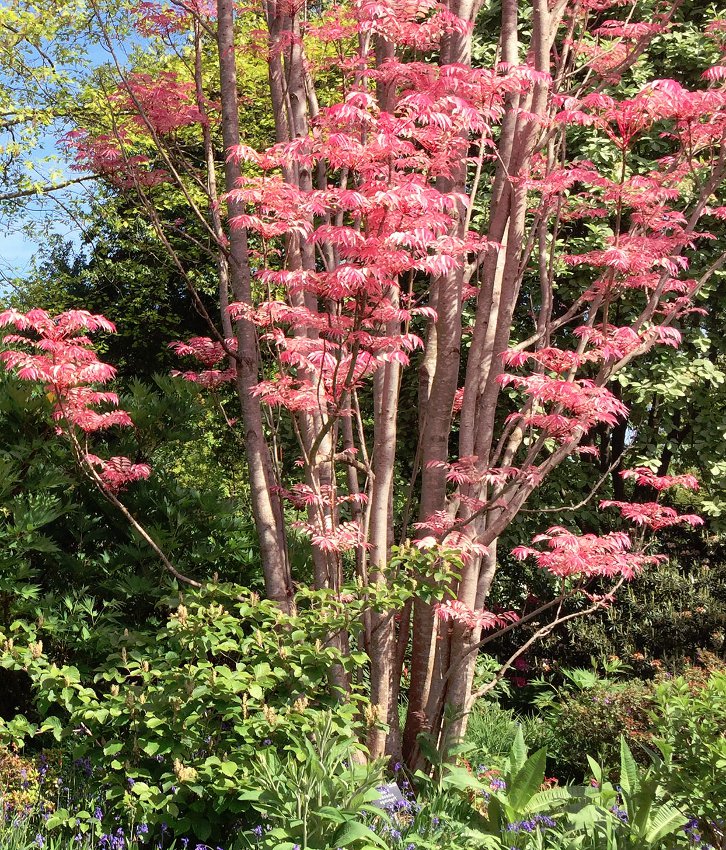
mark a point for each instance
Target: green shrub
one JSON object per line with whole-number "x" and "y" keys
{"x": 592, "y": 721}
{"x": 515, "y": 808}
{"x": 689, "y": 724}
{"x": 664, "y": 615}
{"x": 172, "y": 722}
{"x": 492, "y": 729}
{"x": 314, "y": 793}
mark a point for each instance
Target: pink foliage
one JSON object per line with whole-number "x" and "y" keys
{"x": 651, "y": 514}
{"x": 162, "y": 103}
{"x": 54, "y": 352}
{"x": 572, "y": 555}
{"x": 452, "y": 610}
{"x": 644, "y": 477}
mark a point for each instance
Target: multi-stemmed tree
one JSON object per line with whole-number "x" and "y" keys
{"x": 518, "y": 230}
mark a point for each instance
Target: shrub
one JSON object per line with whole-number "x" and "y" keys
{"x": 689, "y": 722}
{"x": 314, "y": 793}
{"x": 172, "y": 722}
{"x": 593, "y": 720}
{"x": 492, "y": 729}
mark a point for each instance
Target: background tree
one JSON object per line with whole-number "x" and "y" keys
{"x": 530, "y": 206}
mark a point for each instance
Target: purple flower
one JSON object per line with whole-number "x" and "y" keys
{"x": 498, "y": 784}
{"x": 620, "y": 814}
{"x": 521, "y": 826}
{"x": 258, "y": 831}
{"x": 39, "y": 840}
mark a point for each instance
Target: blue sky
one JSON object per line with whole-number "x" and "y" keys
{"x": 15, "y": 252}
{"x": 16, "y": 247}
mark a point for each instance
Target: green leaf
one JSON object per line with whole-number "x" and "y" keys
{"x": 518, "y": 753}
{"x": 459, "y": 777}
{"x": 528, "y": 780}
{"x": 228, "y": 768}
{"x": 596, "y": 769}
{"x": 355, "y": 831}
{"x": 545, "y": 799}
{"x": 665, "y": 821}
{"x": 629, "y": 781}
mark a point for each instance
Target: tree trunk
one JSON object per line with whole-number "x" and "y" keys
{"x": 266, "y": 506}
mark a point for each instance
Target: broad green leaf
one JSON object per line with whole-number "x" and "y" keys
{"x": 518, "y": 753}
{"x": 528, "y": 780}
{"x": 629, "y": 781}
{"x": 665, "y": 821}
{"x": 356, "y": 831}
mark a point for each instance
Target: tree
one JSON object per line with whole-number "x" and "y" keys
{"x": 442, "y": 213}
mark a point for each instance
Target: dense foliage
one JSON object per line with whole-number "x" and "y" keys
{"x": 361, "y": 477}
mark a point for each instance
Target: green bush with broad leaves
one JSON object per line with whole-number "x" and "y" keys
{"x": 690, "y": 733}
{"x": 312, "y": 793}
{"x": 513, "y": 806}
{"x": 174, "y": 721}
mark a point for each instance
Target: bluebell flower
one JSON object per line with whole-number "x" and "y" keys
{"x": 521, "y": 826}
{"x": 39, "y": 840}
{"x": 620, "y": 814}
{"x": 258, "y": 831}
